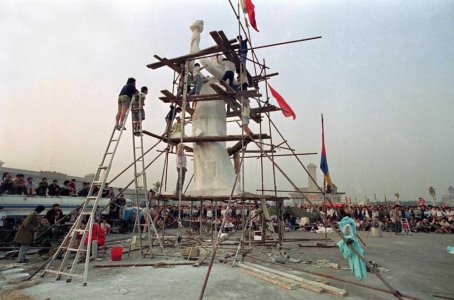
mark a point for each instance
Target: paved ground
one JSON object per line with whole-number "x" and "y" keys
{"x": 419, "y": 265}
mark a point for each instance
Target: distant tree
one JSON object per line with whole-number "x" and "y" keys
{"x": 432, "y": 195}
{"x": 397, "y": 195}
{"x": 157, "y": 185}
{"x": 451, "y": 190}
{"x": 90, "y": 176}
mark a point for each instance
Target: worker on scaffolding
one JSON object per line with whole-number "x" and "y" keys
{"x": 196, "y": 79}
{"x": 124, "y": 100}
{"x": 177, "y": 128}
{"x": 170, "y": 117}
{"x": 181, "y": 165}
{"x": 243, "y": 50}
{"x": 229, "y": 70}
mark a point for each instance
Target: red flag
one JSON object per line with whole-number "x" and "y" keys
{"x": 251, "y": 13}
{"x": 286, "y": 109}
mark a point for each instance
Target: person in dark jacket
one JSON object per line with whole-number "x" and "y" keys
{"x": 169, "y": 118}
{"x": 55, "y": 214}
{"x": 24, "y": 235}
{"x": 124, "y": 100}
{"x": 42, "y": 188}
{"x": 54, "y": 188}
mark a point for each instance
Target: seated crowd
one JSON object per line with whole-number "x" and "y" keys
{"x": 388, "y": 218}
{"x": 20, "y": 186}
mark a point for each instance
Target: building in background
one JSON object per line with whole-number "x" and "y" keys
{"x": 311, "y": 191}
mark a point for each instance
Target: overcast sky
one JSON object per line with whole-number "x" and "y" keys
{"x": 382, "y": 75}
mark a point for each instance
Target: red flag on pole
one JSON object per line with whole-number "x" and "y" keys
{"x": 286, "y": 109}
{"x": 251, "y": 14}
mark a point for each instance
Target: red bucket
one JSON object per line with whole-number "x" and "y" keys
{"x": 116, "y": 253}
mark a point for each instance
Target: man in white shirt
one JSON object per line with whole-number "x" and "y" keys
{"x": 197, "y": 78}
{"x": 181, "y": 165}
{"x": 229, "y": 70}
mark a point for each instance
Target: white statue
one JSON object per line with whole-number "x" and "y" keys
{"x": 213, "y": 170}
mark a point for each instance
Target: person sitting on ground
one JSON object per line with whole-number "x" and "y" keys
{"x": 124, "y": 100}
{"x": 42, "y": 187}
{"x": 54, "y": 188}
{"x": 19, "y": 185}
{"x": 423, "y": 226}
{"x": 138, "y": 112}
{"x": 24, "y": 235}
{"x": 7, "y": 184}
{"x": 170, "y": 117}
{"x": 444, "y": 226}
{"x": 229, "y": 70}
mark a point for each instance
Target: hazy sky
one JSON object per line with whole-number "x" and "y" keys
{"x": 382, "y": 75}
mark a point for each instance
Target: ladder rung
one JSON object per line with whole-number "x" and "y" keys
{"x": 108, "y": 153}
{"x": 113, "y": 140}
{"x": 64, "y": 273}
{"x": 92, "y": 197}
{"x": 103, "y": 167}
{"x": 73, "y": 249}
{"x": 79, "y": 230}
{"x": 97, "y": 182}
{"x": 86, "y": 213}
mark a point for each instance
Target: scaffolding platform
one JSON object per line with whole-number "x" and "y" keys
{"x": 212, "y": 139}
{"x": 197, "y": 98}
{"x": 245, "y": 197}
{"x": 175, "y": 62}
{"x": 167, "y": 140}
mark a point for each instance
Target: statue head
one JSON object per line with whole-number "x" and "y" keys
{"x": 197, "y": 26}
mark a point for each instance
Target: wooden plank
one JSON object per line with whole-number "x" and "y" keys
{"x": 155, "y": 264}
{"x": 270, "y": 280}
{"x": 210, "y": 97}
{"x": 237, "y": 147}
{"x": 263, "y": 77}
{"x": 330, "y": 289}
{"x": 306, "y": 286}
{"x": 230, "y": 100}
{"x": 182, "y": 59}
{"x": 286, "y": 280}
{"x": 236, "y": 58}
{"x": 213, "y": 139}
{"x": 222, "y": 198}
{"x": 177, "y": 100}
{"x": 164, "y": 139}
{"x": 168, "y": 63}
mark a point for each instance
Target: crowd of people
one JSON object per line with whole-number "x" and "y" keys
{"x": 21, "y": 186}
{"x": 387, "y": 217}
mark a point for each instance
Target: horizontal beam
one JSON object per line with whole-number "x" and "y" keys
{"x": 182, "y": 59}
{"x": 222, "y": 138}
{"x": 289, "y": 154}
{"x": 288, "y": 191}
{"x": 167, "y": 140}
{"x": 221, "y": 198}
